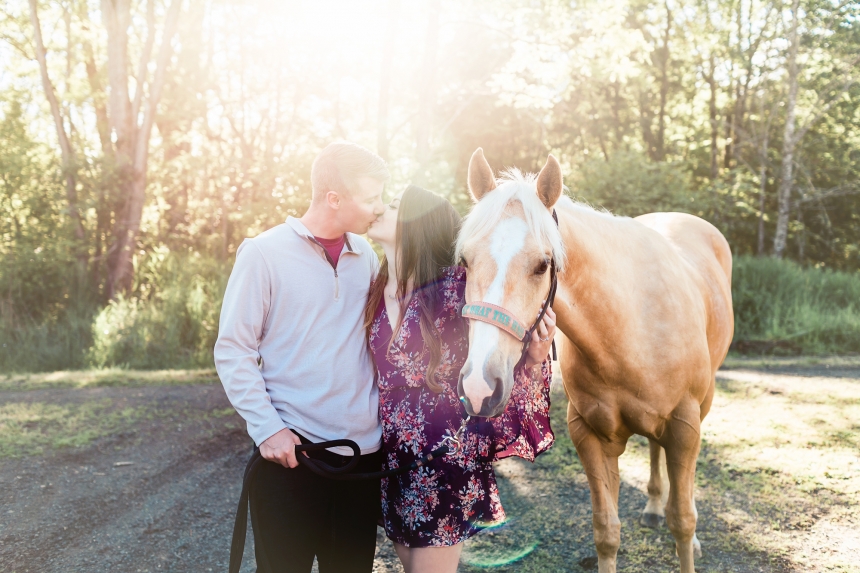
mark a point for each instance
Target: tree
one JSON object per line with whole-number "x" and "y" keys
{"x": 792, "y": 135}
{"x": 67, "y": 153}
{"x": 131, "y": 124}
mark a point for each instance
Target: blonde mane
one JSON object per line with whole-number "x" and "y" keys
{"x": 513, "y": 185}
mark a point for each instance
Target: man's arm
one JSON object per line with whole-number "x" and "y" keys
{"x": 243, "y": 314}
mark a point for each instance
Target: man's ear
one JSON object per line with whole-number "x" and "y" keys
{"x": 549, "y": 183}
{"x": 332, "y": 199}
{"x": 481, "y": 178}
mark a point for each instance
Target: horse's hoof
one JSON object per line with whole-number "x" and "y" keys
{"x": 651, "y": 520}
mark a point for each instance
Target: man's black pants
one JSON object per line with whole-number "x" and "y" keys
{"x": 297, "y": 515}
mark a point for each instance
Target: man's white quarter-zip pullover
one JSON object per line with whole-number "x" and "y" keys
{"x": 291, "y": 349}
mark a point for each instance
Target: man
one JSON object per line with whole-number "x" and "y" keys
{"x": 293, "y": 359}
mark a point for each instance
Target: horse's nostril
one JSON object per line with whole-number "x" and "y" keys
{"x": 497, "y": 392}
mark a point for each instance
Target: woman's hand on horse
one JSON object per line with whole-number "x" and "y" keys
{"x": 281, "y": 448}
{"x": 541, "y": 339}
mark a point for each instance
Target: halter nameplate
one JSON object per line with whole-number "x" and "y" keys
{"x": 495, "y": 315}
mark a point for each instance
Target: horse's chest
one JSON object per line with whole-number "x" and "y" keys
{"x": 614, "y": 411}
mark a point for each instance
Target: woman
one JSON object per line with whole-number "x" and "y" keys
{"x": 420, "y": 342}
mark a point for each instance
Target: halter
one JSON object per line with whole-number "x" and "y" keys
{"x": 504, "y": 319}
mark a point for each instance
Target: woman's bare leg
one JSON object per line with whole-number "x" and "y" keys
{"x": 429, "y": 559}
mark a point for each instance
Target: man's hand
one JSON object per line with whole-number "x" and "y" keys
{"x": 541, "y": 340}
{"x": 281, "y": 448}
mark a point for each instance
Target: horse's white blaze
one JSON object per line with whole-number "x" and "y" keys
{"x": 506, "y": 241}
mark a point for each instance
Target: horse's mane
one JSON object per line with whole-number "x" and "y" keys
{"x": 513, "y": 185}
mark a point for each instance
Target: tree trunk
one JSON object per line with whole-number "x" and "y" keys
{"x": 664, "y": 88}
{"x": 97, "y": 90}
{"x": 801, "y": 239}
{"x": 789, "y": 141}
{"x": 427, "y": 97}
{"x": 762, "y": 176}
{"x": 385, "y": 81}
{"x": 646, "y": 122}
{"x": 729, "y": 123}
{"x": 712, "y": 110}
{"x": 132, "y": 138}
{"x": 66, "y": 151}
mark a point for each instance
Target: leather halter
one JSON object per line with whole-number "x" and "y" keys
{"x": 504, "y": 319}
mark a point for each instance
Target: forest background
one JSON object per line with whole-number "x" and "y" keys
{"x": 142, "y": 140}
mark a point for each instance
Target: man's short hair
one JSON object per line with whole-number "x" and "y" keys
{"x": 340, "y": 165}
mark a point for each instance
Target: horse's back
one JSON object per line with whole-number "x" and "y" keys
{"x": 706, "y": 251}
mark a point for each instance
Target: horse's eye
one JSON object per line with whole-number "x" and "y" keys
{"x": 463, "y": 263}
{"x": 542, "y": 267}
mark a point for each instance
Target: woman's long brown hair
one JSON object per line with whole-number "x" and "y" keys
{"x": 427, "y": 227}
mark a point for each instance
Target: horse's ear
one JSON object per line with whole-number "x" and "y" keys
{"x": 549, "y": 184}
{"x": 481, "y": 178}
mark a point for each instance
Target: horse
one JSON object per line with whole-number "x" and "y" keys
{"x": 644, "y": 310}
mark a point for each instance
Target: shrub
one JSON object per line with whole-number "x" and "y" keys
{"x": 629, "y": 184}
{"x": 55, "y": 343}
{"x": 172, "y": 326}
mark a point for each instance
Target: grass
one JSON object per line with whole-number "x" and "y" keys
{"x": 34, "y": 422}
{"x": 781, "y": 307}
{"x": 736, "y": 361}
{"x": 33, "y": 428}
{"x": 106, "y": 377}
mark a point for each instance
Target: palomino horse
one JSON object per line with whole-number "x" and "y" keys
{"x": 644, "y": 306}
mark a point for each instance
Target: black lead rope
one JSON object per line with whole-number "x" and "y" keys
{"x": 322, "y": 469}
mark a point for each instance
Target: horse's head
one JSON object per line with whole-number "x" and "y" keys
{"x": 507, "y": 244}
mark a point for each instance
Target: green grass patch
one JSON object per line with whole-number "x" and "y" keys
{"x": 783, "y": 308}
{"x": 33, "y": 428}
{"x": 736, "y": 361}
{"x": 107, "y": 377}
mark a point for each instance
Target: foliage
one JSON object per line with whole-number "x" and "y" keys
{"x": 648, "y": 105}
{"x": 814, "y": 310}
{"x": 54, "y": 343}
{"x": 172, "y": 322}
{"x": 629, "y": 184}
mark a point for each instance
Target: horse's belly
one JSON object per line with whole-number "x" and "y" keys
{"x": 621, "y": 407}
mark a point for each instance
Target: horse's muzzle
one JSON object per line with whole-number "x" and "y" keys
{"x": 482, "y": 396}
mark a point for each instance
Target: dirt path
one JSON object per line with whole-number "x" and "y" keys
{"x": 154, "y": 487}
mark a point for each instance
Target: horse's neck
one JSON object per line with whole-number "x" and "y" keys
{"x": 591, "y": 304}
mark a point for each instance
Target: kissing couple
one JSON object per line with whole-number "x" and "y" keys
{"x": 318, "y": 340}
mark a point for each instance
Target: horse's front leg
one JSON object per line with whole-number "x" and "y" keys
{"x": 601, "y": 468}
{"x": 682, "y": 442}
{"x": 658, "y": 487}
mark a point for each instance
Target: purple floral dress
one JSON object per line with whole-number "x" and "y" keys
{"x": 452, "y": 498}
